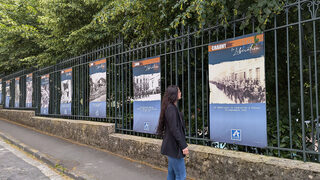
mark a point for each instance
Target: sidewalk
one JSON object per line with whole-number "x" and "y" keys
{"x": 81, "y": 160}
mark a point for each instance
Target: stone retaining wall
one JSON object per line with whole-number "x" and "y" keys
{"x": 203, "y": 162}
{"x": 86, "y": 132}
{"x": 21, "y": 116}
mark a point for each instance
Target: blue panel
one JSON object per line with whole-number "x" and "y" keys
{"x": 97, "y": 99}
{"x": 237, "y": 92}
{"x": 29, "y": 90}
{"x": 65, "y": 108}
{"x": 66, "y": 92}
{"x": 45, "y": 95}
{"x": 97, "y": 109}
{"x": 17, "y": 94}
{"x": 250, "y": 119}
{"x": 146, "y": 116}
{"x": 147, "y": 95}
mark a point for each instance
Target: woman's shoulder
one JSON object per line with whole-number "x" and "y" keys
{"x": 170, "y": 106}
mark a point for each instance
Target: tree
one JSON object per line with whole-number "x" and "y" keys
{"x": 46, "y": 31}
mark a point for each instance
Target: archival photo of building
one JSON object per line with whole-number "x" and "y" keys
{"x": 147, "y": 87}
{"x": 237, "y": 82}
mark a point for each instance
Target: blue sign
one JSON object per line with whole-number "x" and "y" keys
{"x": 29, "y": 91}
{"x": 236, "y": 134}
{"x": 237, "y": 91}
{"x": 0, "y": 91}
{"x": 45, "y": 94}
{"x": 66, "y": 92}
{"x": 98, "y": 91}
{"x": 8, "y": 97}
{"x": 147, "y": 95}
{"x": 17, "y": 93}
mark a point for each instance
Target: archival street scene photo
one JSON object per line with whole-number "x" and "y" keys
{"x": 237, "y": 82}
{"x": 7, "y": 95}
{"x": 29, "y": 91}
{"x": 8, "y": 89}
{"x": 45, "y": 94}
{"x": 98, "y": 88}
{"x": 17, "y": 93}
{"x": 66, "y": 91}
{"x": 0, "y": 91}
{"x": 66, "y": 86}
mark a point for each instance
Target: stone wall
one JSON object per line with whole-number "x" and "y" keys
{"x": 21, "y": 116}
{"x": 203, "y": 162}
{"x": 86, "y": 132}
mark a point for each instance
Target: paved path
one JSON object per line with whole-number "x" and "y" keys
{"x": 16, "y": 165}
{"x": 82, "y": 160}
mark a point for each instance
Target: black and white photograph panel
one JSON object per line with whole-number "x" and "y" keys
{"x": 8, "y": 90}
{"x": 45, "y": 96}
{"x": 29, "y": 91}
{"x": 98, "y": 87}
{"x": 147, "y": 87}
{"x": 66, "y": 91}
{"x": 237, "y": 82}
{"x": 17, "y": 92}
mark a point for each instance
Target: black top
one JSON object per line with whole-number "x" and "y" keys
{"x": 174, "y": 140}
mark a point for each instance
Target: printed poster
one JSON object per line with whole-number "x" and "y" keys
{"x": 147, "y": 95}
{"x": 97, "y": 81}
{"x": 8, "y": 97}
{"x": 66, "y": 92}
{"x": 45, "y": 94}
{"x": 29, "y": 91}
{"x": 17, "y": 93}
{"x": 0, "y": 91}
{"x": 237, "y": 91}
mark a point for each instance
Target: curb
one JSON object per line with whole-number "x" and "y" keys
{"x": 42, "y": 157}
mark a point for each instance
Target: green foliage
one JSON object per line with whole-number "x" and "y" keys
{"x": 39, "y": 33}
{"x": 18, "y": 34}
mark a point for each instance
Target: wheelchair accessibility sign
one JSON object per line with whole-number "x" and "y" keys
{"x": 236, "y": 134}
{"x": 146, "y": 126}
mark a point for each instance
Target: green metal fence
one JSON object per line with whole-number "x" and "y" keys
{"x": 292, "y": 64}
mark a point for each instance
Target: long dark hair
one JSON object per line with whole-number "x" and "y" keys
{"x": 170, "y": 97}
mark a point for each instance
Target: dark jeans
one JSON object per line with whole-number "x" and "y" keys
{"x": 176, "y": 169}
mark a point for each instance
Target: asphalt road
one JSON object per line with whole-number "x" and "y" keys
{"x": 81, "y": 160}
{"x": 15, "y": 165}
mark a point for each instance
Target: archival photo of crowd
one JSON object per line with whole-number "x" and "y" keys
{"x": 98, "y": 86}
{"x": 237, "y": 82}
{"x": 45, "y": 94}
{"x": 147, "y": 87}
{"x": 66, "y": 91}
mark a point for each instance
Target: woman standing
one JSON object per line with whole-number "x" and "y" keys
{"x": 172, "y": 127}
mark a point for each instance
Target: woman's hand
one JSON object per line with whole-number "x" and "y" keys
{"x": 185, "y": 151}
